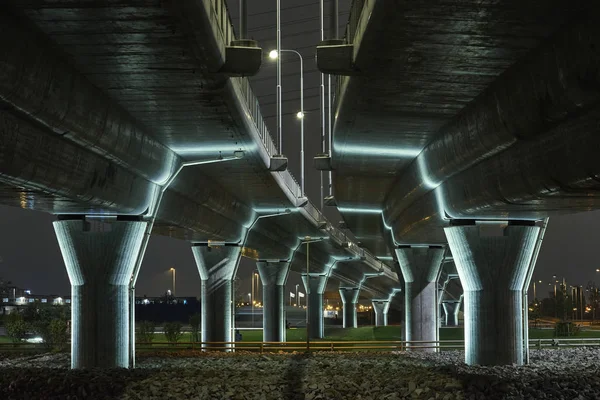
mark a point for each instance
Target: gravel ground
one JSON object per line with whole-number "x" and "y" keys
{"x": 553, "y": 374}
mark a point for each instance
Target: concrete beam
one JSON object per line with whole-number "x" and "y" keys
{"x": 39, "y": 83}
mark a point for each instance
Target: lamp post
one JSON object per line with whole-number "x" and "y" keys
{"x": 274, "y": 55}
{"x": 253, "y": 297}
{"x": 581, "y": 302}
{"x": 173, "y": 270}
{"x": 279, "y": 104}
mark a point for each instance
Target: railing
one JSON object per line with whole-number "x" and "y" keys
{"x": 353, "y": 20}
{"x": 254, "y": 109}
{"x": 227, "y": 33}
{"x": 321, "y": 345}
{"x": 353, "y": 27}
{"x": 221, "y": 13}
{"x": 373, "y": 345}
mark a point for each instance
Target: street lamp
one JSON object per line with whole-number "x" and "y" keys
{"x": 274, "y": 55}
{"x": 173, "y": 270}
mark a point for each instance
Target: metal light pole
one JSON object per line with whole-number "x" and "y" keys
{"x": 333, "y": 34}
{"x": 258, "y": 292}
{"x": 307, "y": 294}
{"x": 173, "y": 270}
{"x": 322, "y": 94}
{"x": 275, "y": 55}
{"x": 279, "y": 113}
{"x": 297, "y": 298}
{"x": 581, "y": 301}
{"x": 252, "y": 299}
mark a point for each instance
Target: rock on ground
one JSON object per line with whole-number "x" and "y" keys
{"x": 553, "y": 374}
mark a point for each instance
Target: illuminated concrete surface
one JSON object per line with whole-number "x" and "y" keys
{"x": 349, "y": 300}
{"x": 420, "y": 267}
{"x": 217, "y": 267}
{"x": 493, "y": 265}
{"x": 315, "y": 285}
{"x": 421, "y": 137}
{"x": 100, "y": 257}
{"x": 273, "y": 276}
{"x": 381, "y": 308}
{"x": 109, "y": 133}
{"x": 451, "y": 310}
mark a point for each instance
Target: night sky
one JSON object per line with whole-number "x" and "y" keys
{"x": 29, "y": 252}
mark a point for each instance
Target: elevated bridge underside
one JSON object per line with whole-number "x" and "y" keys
{"x": 102, "y": 102}
{"x": 465, "y": 110}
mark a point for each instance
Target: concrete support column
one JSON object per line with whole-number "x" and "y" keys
{"x": 420, "y": 268}
{"x": 349, "y": 297}
{"x": 492, "y": 268}
{"x": 381, "y": 308}
{"x": 451, "y": 310}
{"x": 100, "y": 258}
{"x": 273, "y": 276}
{"x": 217, "y": 267}
{"x": 315, "y": 284}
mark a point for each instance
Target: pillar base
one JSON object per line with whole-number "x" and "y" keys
{"x": 492, "y": 270}
{"x": 217, "y": 267}
{"x": 451, "y": 310}
{"x": 381, "y": 308}
{"x": 100, "y": 258}
{"x": 273, "y": 276}
{"x": 349, "y": 299}
{"x": 420, "y": 268}
{"x": 314, "y": 285}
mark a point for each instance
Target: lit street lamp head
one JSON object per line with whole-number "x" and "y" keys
{"x": 273, "y": 54}
{"x": 300, "y": 115}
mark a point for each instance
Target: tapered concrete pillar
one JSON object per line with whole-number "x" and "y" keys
{"x": 349, "y": 297}
{"x": 381, "y": 308}
{"x": 451, "y": 310}
{"x": 217, "y": 267}
{"x": 315, "y": 284}
{"x": 492, "y": 269}
{"x": 100, "y": 257}
{"x": 420, "y": 268}
{"x": 273, "y": 276}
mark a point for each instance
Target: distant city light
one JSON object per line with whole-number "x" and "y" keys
{"x": 273, "y": 54}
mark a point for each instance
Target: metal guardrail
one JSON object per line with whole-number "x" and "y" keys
{"x": 352, "y": 26}
{"x": 322, "y": 345}
{"x": 253, "y": 107}
{"x": 222, "y": 16}
{"x": 380, "y": 345}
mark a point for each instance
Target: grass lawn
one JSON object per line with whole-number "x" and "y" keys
{"x": 366, "y": 333}
{"x": 394, "y": 333}
{"x": 363, "y": 333}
